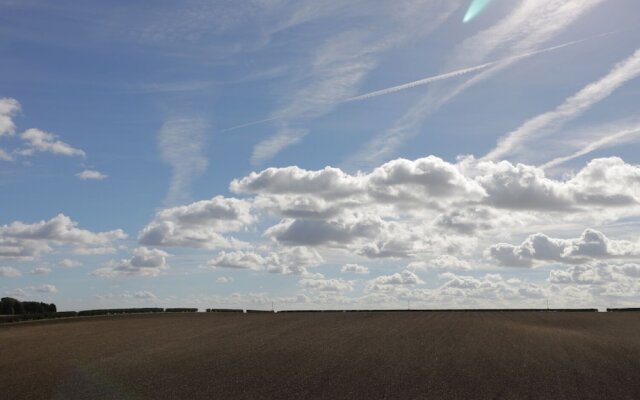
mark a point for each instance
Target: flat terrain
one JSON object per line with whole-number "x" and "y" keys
{"x": 404, "y": 355}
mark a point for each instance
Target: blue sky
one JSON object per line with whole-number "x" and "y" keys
{"x": 320, "y": 154}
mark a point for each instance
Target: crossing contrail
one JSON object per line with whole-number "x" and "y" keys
{"x": 436, "y": 78}
{"x": 233, "y": 128}
{"x": 464, "y": 71}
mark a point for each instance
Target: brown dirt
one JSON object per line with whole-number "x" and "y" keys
{"x": 325, "y": 355}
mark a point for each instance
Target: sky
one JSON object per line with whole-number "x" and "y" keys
{"x": 320, "y": 155}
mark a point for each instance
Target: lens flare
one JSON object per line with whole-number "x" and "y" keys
{"x": 475, "y": 8}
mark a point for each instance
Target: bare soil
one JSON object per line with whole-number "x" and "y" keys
{"x": 400, "y": 355}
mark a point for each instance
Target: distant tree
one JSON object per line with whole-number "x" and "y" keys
{"x": 10, "y": 306}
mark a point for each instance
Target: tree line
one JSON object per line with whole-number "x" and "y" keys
{"x": 11, "y": 306}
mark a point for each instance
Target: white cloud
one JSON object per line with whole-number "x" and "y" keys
{"x": 597, "y": 282}
{"x": 390, "y": 282}
{"x": 182, "y": 142}
{"x": 37, "y": 141}
{"x": 590, "y": 245}
{"x": 224, "y": 279}
{"x": 327, "y": 285}
{"x": 285, "y": 261}
{"x": 354, "y": 269}
{"x": 199, "y": 224}
{"x": 90, "y": 174}
{"x": 69, "y": 263}
{"x": 144, "y": 295}
{"x": 9, "y": 272}
{"x": 401, "y": 181}
{"x": 46, "y": 288}
{"x": 145, "y": 262}
{"x": 27, "y": 241}
{"x": 4, "y": 156}
{"x": 428, "y": 207}
{"x": 526, "y": 187}
{"x": 572, "y": 107}
{"x": 443, "y": 262}
{"x": 41, "y": 270}
{"x": 476, "y": 291}
{"x": 8, "y": 108}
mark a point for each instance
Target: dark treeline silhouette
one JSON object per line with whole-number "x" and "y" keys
{"x": 12, "y": 310}
{"x": 109, "y": 311}
{"x": 11, "y": 306}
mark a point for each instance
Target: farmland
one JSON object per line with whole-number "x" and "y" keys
{"x": 433, "y": 355}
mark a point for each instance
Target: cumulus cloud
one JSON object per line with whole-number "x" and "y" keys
{"x": 46, "y": 288}
{"x": 430, "y": 183}
{"x": 389, "y": 282}
{"x": 399, "y": 181}
{"x": 590, "y": 245}
{"x": 145, "y": 262}
{"x": 327, "y": 285}
{"x": 199, "y": 224}
{"x": 69, "y": 263}
{"x": 19, "y": 240}
{"x": 8, "y": 108}
{"x": 38, "y": 141}
{"x": 144, "y": 295}
{"x": 413, "y": 208}
{"x": 597, "y": 281}
{"x": 287, "y": 261}
{"x": 442, "y": 262}
{"x": 90, "y": 174}
{"x": 364, "y": 234}
{"x": 41, "y": 270}
{"x": 9, "y": 272}
{"x": 224, "y": 279}
{"x": 354, "y": 269}
{"x": 487, "y": 287}
{"x": 181, "y": 142}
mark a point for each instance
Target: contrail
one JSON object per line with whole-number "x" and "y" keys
{"x": 572, "y": 107}
{"x": 609, "y": 140}
{"x": 435, "y": 78}
{"x": 233, "y": 128}
{"x": 463, "y": 71}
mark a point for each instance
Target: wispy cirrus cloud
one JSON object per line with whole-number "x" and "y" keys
{"x": 572, "y": 107}
{"x": 181, "y": 142}
{"x": 527, "y": 27}
{"x": 606, "y": 138}
{"x": 459, "y": 72}
{"x": 340, "y": 64}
